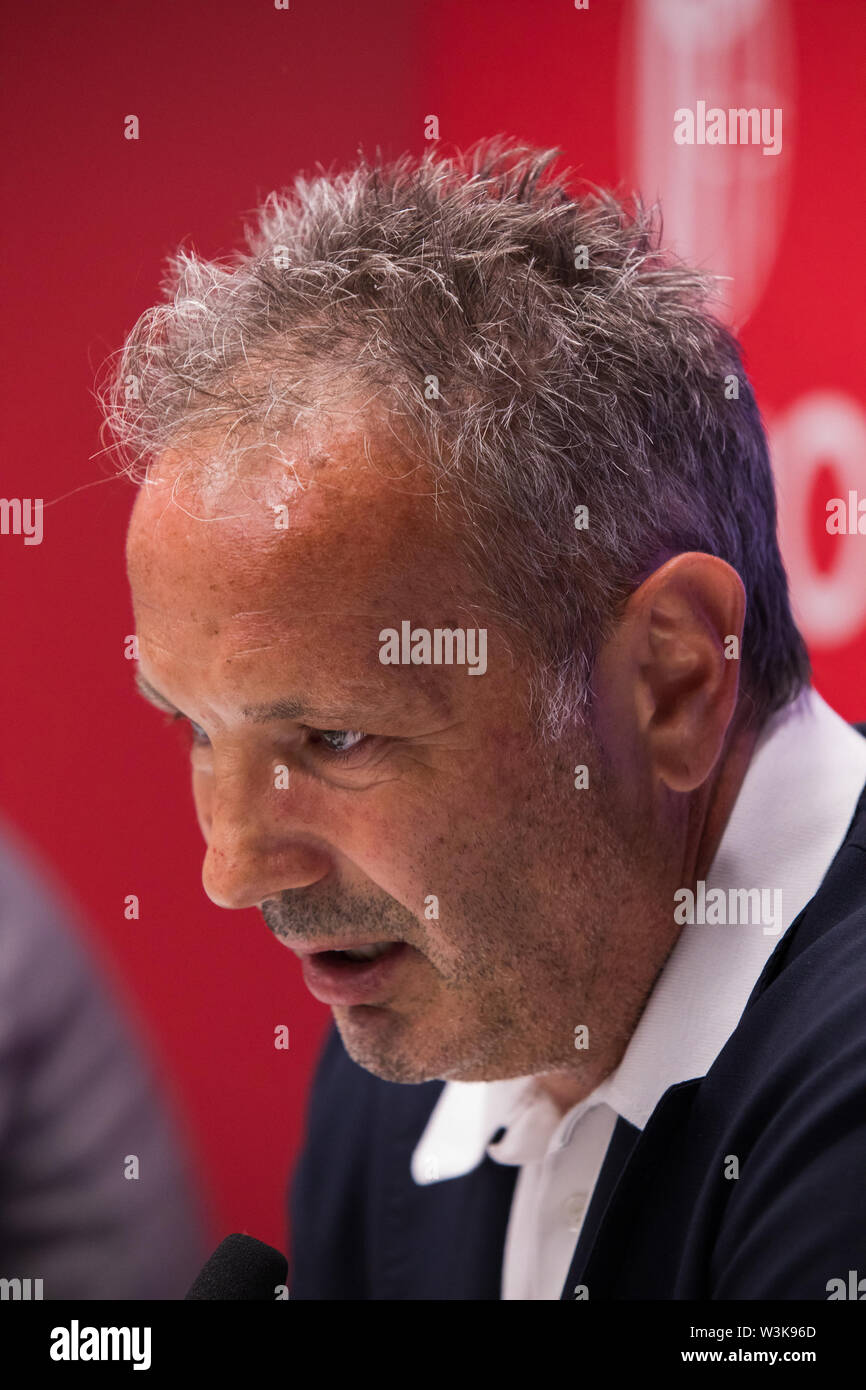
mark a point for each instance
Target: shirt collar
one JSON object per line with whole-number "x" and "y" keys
{"x": 793, "y": 808}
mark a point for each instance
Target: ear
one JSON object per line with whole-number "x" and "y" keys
{"x": 666, "y": 683}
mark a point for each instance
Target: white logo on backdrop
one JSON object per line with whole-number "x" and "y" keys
{"x": 724, "y": 206}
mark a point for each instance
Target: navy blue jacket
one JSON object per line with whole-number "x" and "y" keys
{"x": 786, "y": 1096}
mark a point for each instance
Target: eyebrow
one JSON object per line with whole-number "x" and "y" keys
{"x": 289, "y": 707}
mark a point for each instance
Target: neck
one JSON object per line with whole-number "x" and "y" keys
{"x": 712, "y": 813}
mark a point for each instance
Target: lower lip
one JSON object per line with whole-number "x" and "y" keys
{"x": 335, "y": 981}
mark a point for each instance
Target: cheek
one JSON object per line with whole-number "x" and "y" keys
{"x": 396, "y": 848}
{"x": 375, "y": 833}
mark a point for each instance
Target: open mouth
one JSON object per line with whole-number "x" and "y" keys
{"x": 358, "y": 954}
{"x": 360, "y": 975}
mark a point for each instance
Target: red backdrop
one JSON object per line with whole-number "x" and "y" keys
{"x": 233, "y": 99}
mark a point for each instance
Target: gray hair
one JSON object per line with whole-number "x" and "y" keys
{"x": 540, "y": 352}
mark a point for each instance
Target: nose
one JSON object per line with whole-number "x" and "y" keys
{"x": 239, "y": 875}
{"x": 251, "y": 855}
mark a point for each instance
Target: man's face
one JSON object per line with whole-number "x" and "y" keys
{"x": 444, "y": 828}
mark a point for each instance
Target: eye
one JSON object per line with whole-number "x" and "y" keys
{"x": 345, "y": 741}
{"x": 333, "y": 745}
{"x": 199, "y": 737}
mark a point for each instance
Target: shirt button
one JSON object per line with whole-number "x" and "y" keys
{"x": 574, "y": 1208}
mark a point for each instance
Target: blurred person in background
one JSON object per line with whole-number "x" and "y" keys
{"x": 77, "y": 1100}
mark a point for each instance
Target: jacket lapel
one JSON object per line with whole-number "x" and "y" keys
{"x": 625, "y": 1180}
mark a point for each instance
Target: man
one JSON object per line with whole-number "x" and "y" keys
{"x": 456, "y": 546}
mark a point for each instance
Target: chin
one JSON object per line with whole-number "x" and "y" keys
{"x": 378, "y": 1048}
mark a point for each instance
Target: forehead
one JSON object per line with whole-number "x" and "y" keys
{"x": 358, "y": 547}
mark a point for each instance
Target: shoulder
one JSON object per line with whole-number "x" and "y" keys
{"x": 791, "y": 1085}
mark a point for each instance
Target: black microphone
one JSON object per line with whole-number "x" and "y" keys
{"x": 241, "y": 1267}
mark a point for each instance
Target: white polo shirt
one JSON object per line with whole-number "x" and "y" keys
{"x": 793, "y": 809}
